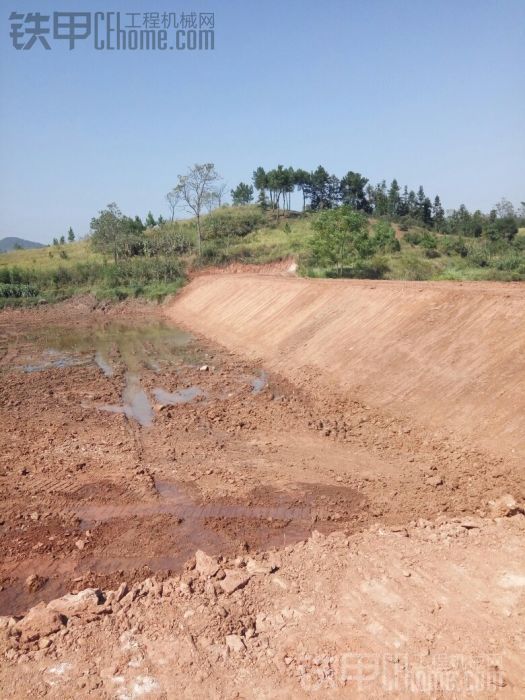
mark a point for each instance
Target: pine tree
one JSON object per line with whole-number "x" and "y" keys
{"x": 242, "y": 194}
{"x": 70, "y": 235}
{"x": 262, "y": 200}
{"x": 394, "y": 199}
{"x": 438, "y": 213}
{"x": 150, "y": 220}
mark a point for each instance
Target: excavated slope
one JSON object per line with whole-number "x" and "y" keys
{"x": 449, "y": 355}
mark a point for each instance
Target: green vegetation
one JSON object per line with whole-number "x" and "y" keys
{"x": 347, "y": 228}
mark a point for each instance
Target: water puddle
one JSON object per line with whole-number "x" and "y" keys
{"x": 259, "y": 383}
{"x": 152, "y": 345}
{"x": 103, "y": 363}
{"x": 112, "y": 346}
{"x": 178, "y": 397}
{"x": 162, "y": 533}
{"x": 136, "y": 404}
{"x": 174, "y": 500}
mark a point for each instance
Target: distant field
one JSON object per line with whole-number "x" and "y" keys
{"x": 49, "y": 258}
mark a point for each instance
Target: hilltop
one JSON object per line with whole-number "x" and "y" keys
{"x": 13, "y": 243}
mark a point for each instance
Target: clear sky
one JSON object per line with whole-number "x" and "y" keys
{"x": 431, "y": 92}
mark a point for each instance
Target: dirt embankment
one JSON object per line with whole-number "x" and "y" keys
{"x": 449, "y": 355}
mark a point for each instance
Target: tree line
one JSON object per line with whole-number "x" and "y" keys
{"x": 321, "y": 190}
{"x": 201, "y": 189}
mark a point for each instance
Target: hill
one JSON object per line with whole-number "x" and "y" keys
{"x": 13, "y": 243}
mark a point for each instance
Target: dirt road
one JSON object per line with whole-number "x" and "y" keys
{"x": 345, "y": 530}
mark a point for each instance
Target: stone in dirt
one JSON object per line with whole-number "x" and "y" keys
{"x": 434, "y": 481}
{"x": 234, "y": 643}
{"x": 77, "y": 603}
{"x": 206, "y": 566}
{"x": 505, "y": 506}
{"x": 234, "y": 580}
{"x": 40, "y": 622}
{"x": 260, "y": 567}
{"x": 121, "y": 592}
{"x": 35, "y": 582}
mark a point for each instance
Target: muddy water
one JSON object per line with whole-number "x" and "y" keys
{"x": 174, "y": 500}
{"x": 163, "y": 528}
{"x": 138, "y": 345}
{"x": 114, "y": 346}
{"x": 172, "y": 398}
{"x": 189, "y": 523}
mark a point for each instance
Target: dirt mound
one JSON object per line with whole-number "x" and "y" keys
{"x": 447, "y": 354}
{"x": 287, "y": 266}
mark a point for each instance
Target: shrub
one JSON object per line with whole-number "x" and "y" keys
{"x": 412, "y": 267}
{"x": 432, "y": 253}
{"x": 451, "y": 245}
{"x": 384, "y": 238}
{"x": 413, "y": 237}
{"x": 18, "y": 291}
{"x": 223, "y": 223}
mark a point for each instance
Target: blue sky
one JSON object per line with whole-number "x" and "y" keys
{"x": 429, "y": 92}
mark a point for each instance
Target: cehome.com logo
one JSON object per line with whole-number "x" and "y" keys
{"x": 115, "y": 31}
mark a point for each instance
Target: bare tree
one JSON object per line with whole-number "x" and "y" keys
{"x": 219, "y": 193}
{"x": 173, "y": 202}
{"x": 214, "y": 198}
{"x": 194, "y": 189}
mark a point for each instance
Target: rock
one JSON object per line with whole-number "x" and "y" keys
{"x": 434, "y": 481}
{"x": 206, "y": 566}
{"x": 121, "y": 592}
{"x": 204, "y": 368}
{"x": 234, "y": 643}
{"x": 80, "y": 544}
{"x": 469, "y": 524}
{"x": 87, "y": 601}
{"x": 35, "y": 582}
{"x": 234, "y": 580}
{"x": 34, "y": 516}
{"x": 399, "y": 530}
{"x": 39, "y": 622}
{"x": 259, "y": 567}
{"x": 505, "y": 506}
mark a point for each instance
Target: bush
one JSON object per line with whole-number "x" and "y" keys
{"x": 505, "y": 228}
{"x": 240, "y": 221}
{"x": 412, "y": 267}
{"x": 18, "y": 291}
{"x": 432, "y": 253}
{"x": 479, "y": 258}
{"x": 451, "y": 245}
{"x": 413, "y": 237}
{"x": 384, "y": 238}
{"x": 428, "y": 241}
{"x": 509, "y": 262}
